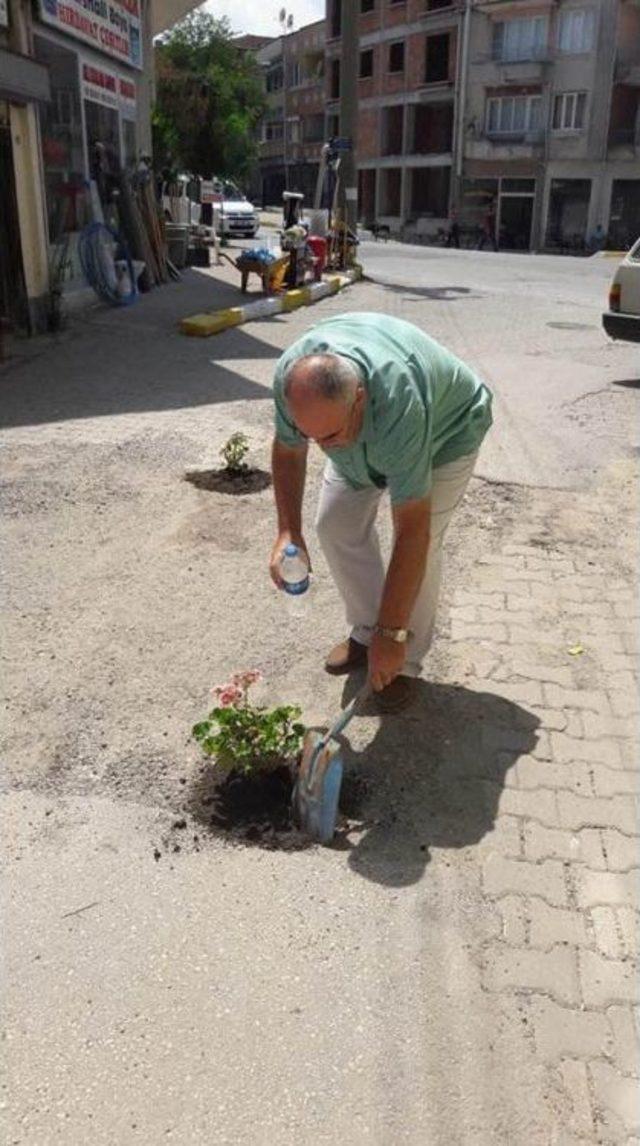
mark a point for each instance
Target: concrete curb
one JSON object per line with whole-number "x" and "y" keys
{"x": 215, "y": 321}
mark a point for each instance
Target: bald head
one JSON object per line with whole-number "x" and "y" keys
{"x": 325, "y": 394}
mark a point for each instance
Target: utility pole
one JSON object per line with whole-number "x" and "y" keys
{"x": 285, "y": 20}
{"x": 349, "y": 111}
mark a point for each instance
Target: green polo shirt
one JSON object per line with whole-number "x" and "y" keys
{"x": 424, "y": 406}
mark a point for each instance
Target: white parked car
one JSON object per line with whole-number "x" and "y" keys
{"x": 237, "y": 215}
{"x": 622, "y": 319}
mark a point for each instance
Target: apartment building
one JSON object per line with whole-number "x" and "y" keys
{"x": 408, "y": 79}
{"x": 551, "y": 123}
{"x": 293, "y": 128}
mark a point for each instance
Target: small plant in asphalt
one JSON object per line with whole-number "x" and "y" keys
{"x": 247, "y": 738}
{"x": 233, "y": 454}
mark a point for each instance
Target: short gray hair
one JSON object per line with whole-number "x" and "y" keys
{"x": 330, "y": 376}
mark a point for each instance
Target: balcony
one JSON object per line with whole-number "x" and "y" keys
{"x": 624, "y": 142}
{"x": 499, "y": 70}
{"x": 627, "y": 73}
{"x": 505, "y": 145}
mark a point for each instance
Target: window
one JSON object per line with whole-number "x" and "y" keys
{"x": 274, "y": 78}
{"x": 366, "y": 64}
{"x": 513, "y": 115}
{"x": 272, "y": 131}
{"x": 367, "y": 5}
{"x": 437, "y": 59}
{"x": 333, "y": 126}
{"x": 568, "y": 111}
{"x": 294, "y": 74}
{"x": 576, "y": 30}
{"x": 335, "y": 21}
{"x": 520, "y": 39}
{"x": 335, "y": 79}
{"x": 396, "y": 56}
{"x": 432, "y": 5}
{"x": 314, "y": 128}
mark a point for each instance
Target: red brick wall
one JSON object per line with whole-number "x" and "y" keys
{"x": 368, "y": 147}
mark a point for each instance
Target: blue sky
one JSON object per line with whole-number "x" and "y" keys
{"x": 262, "y": 18}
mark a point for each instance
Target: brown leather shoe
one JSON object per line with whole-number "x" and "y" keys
{"x": 346, "y": 657}
{"x": 397, "y": 695}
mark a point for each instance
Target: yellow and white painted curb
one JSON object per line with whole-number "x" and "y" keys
{"x": 215, "y": 321}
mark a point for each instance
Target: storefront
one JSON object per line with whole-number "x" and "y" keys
{"x": 89, "y": 129}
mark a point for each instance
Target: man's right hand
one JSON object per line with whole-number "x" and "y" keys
{"x": 287, "y": 537}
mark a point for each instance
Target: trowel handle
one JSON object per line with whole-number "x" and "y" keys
{"x": 346, "y": 714}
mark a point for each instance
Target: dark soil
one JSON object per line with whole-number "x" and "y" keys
{"x": 222, "y": 481}
{"x": 256, "y": 810}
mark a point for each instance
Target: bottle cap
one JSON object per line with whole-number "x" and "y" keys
{"x": 291, "y": 550}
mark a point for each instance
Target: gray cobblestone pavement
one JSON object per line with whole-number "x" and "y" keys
{"x": 563, "y": 864}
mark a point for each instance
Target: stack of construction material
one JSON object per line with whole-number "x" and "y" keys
{"x": 143, "y": 227}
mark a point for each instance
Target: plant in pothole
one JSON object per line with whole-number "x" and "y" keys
{"x": 233, "y": 454}
{"x": 247, "y": 738}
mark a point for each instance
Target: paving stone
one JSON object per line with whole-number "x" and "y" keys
{"x": 542, "y": 748}
{"x": 605, "y": 981}
{"x": 625, "y": 1040}
{"x": 621, "y": 852}
{"x": 605, "y": 929}
{"x": 536, "y": 670}
{"x": 568, "y": 748}
{"x": 537, "y": 805}
{"x": 578, "y": 698}
{"x": 598, "y": 725}
{"x": 489, "y": 616}
{"x": 514, "y": 920}
{"x": 629, "y": 925}
{"x": 524, "y": 692}
{"x": 625, "y": 704}
{"x": 551, "y": 925}
{"x": 517, "y": 602}
{"x": 503, "y": 838}
{"x": 580, "y": 608}
{"x": 576, "y": 1084}
{"x": 595, "y": 812}
{"x": 554, "y": 843}
{"x": 503, "y": 876}
{"x": 617, "y": 1098}
{"x": 552, "y": 972}
{"x": 606, "y": 888}
{"x": 464, "y": 613}
{"x": 553, "y": 719}
{"x": 503, "y": 561}
{"x": 615, "y": 782}
{"x": 532, "y": 773}
{"x": 462, "y": 631}
{"x": 561, "y": 1032}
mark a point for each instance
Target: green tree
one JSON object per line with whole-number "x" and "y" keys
{"x": 209, "y": 100}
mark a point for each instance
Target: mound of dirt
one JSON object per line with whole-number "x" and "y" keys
{"x": 222, "y": 481}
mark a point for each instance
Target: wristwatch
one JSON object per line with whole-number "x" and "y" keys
{"x": 398, "y": 635}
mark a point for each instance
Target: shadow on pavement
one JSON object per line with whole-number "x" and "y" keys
{"x": 630, "y": 383}
{"x": 437, "y": 294}
{"x": 112, "y": 368}
{"x": 430, "y": 778}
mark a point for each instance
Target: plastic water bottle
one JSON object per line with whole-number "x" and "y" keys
{"x": 294, "y": 571}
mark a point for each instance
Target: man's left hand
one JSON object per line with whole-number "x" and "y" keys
{"x": 386, "y": 661}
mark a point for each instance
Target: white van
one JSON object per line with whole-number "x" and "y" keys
{"x": 622, "y": 319}
{"x": 237, "y": 215}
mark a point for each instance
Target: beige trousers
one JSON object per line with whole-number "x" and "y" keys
{"x": 346, "y": 525}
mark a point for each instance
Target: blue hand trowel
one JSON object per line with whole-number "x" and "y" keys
{"x": 317, "y": 787}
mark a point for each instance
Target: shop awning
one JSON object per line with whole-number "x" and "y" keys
{"x": 23, "y": 80}
{"x": 166, "y": 13}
